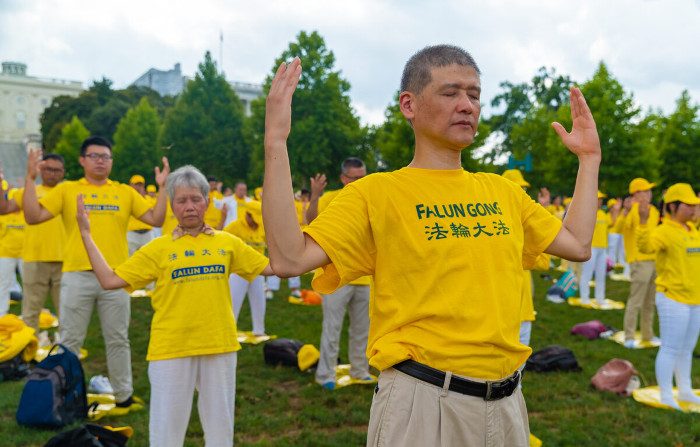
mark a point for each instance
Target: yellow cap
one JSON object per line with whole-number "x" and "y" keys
{"x": 151, "y": 188}
{"x": 567, "y": 200}
{"x": 307, "y": 357}
{"x": 257, "y": 193}
{"x": 515, "y": 176}
{"x": 137, "y": 179}
{"x": 611, "y": 202}
{"x": 601, "y": 195}
{"x": 640, "y": 184}
{"x": 681, "y": 192}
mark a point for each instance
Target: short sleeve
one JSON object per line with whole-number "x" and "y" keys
{"x": 540, "y": 227}
{"x": 53, "y": 201}
{"x": 139, "y": 205}
{"x": 344, "y": 233}
{"x": 246, "y": 262}
{"x": 142, "y": 267}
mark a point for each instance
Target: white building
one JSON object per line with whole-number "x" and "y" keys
{"x": 23, "y": 99}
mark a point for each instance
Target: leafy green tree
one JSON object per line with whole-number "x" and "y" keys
{"x": 68, "y": 145}
{"x": 204, "y": 128}
{"x": 679, "y": 139}
{"x": 136, "y": 145}
{"x": 325, "y": 129}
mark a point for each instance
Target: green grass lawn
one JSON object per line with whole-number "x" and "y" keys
{"x": 283, "y": 407}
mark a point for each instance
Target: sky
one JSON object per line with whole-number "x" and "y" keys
{"x": 651, "y": 46}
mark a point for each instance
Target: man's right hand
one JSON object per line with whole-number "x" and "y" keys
{"x": 278, "y": 106}
{"x": 33, "y": 163}
{"x": 318, "y": 185}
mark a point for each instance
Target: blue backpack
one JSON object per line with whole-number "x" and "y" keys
{"x": 54, "y": 394}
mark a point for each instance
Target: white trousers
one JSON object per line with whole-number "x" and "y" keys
{"x": 597, "y": 264}
{"x": 8, "y": 281}
{"x": 173, "y": 382}
{"x": 356, "y": 300}
{"x": 273, "y": 282}
{"x": 679, "y": 325}
{"x": 137, "y": 240}
{"x": 256, "y": 298}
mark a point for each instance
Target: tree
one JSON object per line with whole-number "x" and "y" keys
{"x": 68, "y": 145}
{"x": 204, "y": 128}
{"x": 136, "y": 144}
{"x": 679, "y": 139}
{"x": 325, "y": 129}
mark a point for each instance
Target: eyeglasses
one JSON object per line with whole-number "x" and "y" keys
{"x": 94, "y": 157}
{"x": 52, "y": 170}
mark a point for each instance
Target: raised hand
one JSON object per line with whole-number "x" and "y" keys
{"x": 82, "y": 215}
{"x": 583, "y": 139}
{"x": 643, "y": 212}
{"x": 34, "y": 163}
{"x": 162, "y": 176}
{"x": 278, "y": 108}
{"x": 318, "y": 184}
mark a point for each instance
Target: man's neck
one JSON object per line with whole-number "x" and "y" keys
{"x": 429, "y": 156}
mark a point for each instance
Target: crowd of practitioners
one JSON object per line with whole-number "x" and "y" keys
{"x": 440, "y": 325}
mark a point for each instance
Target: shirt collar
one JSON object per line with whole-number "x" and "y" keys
{"x": 84, "y": 181}
{"x": 178, "y": 232}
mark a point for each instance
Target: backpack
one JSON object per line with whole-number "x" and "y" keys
{"x": 552, "y": 358}
{"x": 282, "y": 351}
{"x": 14, "y": 369}
{"x": 615, "y": 376}
{"x": 590, "y": 329}
{"x": 88, "y": 435}
{"x": 565, "y": 287}
{"x": 54, "y": 394}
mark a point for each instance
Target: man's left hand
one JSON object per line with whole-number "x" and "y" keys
{"x": 583, "y": 139}
{"x": 162, "y": 175}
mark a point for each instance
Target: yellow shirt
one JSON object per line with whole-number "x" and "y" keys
{"x": 627, "y": 227}
{"x": 191, "y": 300}
{"x": 43, "y": 242}
{"x": 446, "y": 249}
{"x": 253, "y": 238}
{"x": 170, "y": 221}
{"x": 600, "y": 233}
{"x": 137, "y": 225}
{"x": 301, "y": 208}
{"x": 109, "y": 207}
{"x": 677, "y": 259}
{"x": 557, "y": 211}
{"x": 212, "y": 216}
{"x": 12, "y": 228}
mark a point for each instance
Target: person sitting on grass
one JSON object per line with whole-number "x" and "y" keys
{"x": 193, "y": 340}
{"x": 676, "y": 243}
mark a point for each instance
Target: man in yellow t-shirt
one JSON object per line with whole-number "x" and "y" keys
{"x": 42, "y": 255}
{"x": 445, "y": 248}
{"x": 110, "y": 205}
{"x": 640, "y": 304}
{"x": 139, "y": 233}
{"x": 12, "y": 236}
{"x": 353, "y": 297}
{"x": 214, "y": 217}
{"x": 598, "y": 263}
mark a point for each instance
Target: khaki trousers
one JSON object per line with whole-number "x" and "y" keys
{"x": 641, "y": 300}
{"x": 409, "y": 412}
{"x": 80, "y": 292}
{"x": 40, "y": 279}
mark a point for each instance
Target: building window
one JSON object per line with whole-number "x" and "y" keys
{"x": 21, "y": 120}
{"x": 20, "y": 100}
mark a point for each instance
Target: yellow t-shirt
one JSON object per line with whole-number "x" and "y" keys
{"x": 446, "y": 250}
{"x": 137, "y": 225}
{"x": 627, "y": 227}
{"x": 109, "y": 207}
{"x": 12, "y": 234}
{"x": 323, "y": 203}
{"x": 212, "y": 216}
{"x": 253, "y": 238}
{"x": 600, "y": 233}
{"x": 170, "y": 222}
{"x": 191, "y": 300}
{"x": 43, "y": 242}
{"x": 677, "y": 259}
{"x": 557, "y": 211}
{"x": 301, "y": 208}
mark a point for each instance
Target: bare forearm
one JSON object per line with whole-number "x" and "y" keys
{"x": 34, "y": 213}
{"x": 104, "y": 273}
{"x": 581, "y": 217}
{"x": 312, "y": 210}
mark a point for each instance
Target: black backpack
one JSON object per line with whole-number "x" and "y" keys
{"x": 88, "y": 435}
{"x": 552, "y": 358}
{"x": 14, "y": 369}
{"x": 282, "y": 351}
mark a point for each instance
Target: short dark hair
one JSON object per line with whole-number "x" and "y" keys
{"x": 94, "y": 140}
{"x": 211, "y": 178}
{"x": 351, "y": 162}
{"x": 416, "y": 74}
{"x": 52, "y": 156}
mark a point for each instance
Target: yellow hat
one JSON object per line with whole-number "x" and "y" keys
{"x": 137, "y": 179}
{"x": 681, "y": 192}
{"x": 257, "y": 193}
{"x": 566, "y": 201}
{"x": 611, "y": 202}
{"x": 151, "y": 188}
{"x": 515, "y": 176}
{"x": 640, "y": 184}
{"x": 601, "y": 195}
{"x": 307, "y": 357}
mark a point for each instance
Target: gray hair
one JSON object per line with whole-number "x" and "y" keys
{"x": 416, "y": 73}
{"x": 189, "y": 177}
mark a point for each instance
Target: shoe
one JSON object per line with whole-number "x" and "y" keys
{"x": 367, "y": 379}
{"x": 100, "y": 385}
{"x": 269, "y": 294}
{"x": 330, "y": 385}
{"x": 132, "y": 403}
{"x": 296, "y": 293}
{"x": 630, "y": 344}
{"x": 655, "y": 340}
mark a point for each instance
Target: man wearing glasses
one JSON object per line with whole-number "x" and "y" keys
{"x": 109, "y": 204}
{"x": 43, "y": 246}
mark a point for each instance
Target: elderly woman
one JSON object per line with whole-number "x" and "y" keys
{"x": 676, "y": 243}
{"x": 193, "y": 340}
